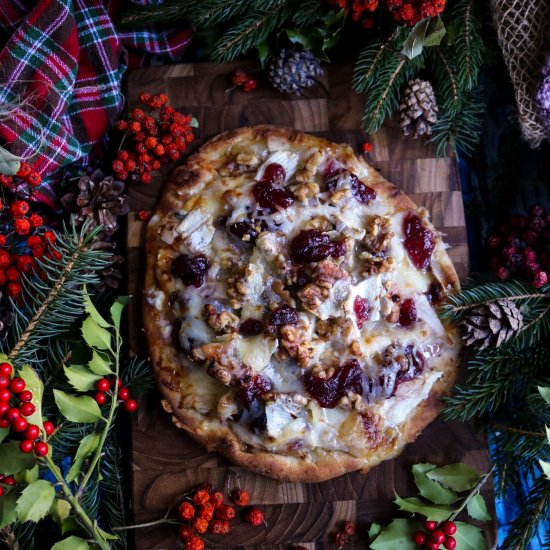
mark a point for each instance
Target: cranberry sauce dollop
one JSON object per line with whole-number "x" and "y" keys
{"x": 361, "y": 307}
{"x": 417, "y": 363}
{"x": 363, "y": 193}
{"x": 311, "y": 245}
{"x": 419, "y": 241}
{"x": 190, "y": 269}
{"x": 250, "y": 388}
{"x": 407, "y": 312}
{"x": 268, "y": 193}
{"x": 328, "y": 391}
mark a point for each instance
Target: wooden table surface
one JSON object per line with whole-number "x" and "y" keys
{"x": 166, "y": 462}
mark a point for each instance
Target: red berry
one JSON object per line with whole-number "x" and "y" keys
{"x": 4, "y": 382}
{"x": 348, "y": 527}
{"x": 19, "y": 208}
{"x": 32, "y": 432}
{"x": 194, "y": 543}
{"x": 419, "y": 538}
{"x": 240, "y": 497}
{"x": 432, "y": 546}
{"x": 144, "y": 215}
{"x": 540, "y": 279}
{"x": 17, "y": 385}
{"x": 19, "y": 425}
{"x": 430, "y": 525}
{"x": 25, "y": 396}
{"x": 186, "y": 511}
{"x": 34, "y": 179}
{"x": 145, "y": 178}
{"x": 13, "y": 274}
{"x": 27, "y": 409}
{"x": 216, "y": 498}
{"x": 200, "y": 525}
{"x": 437, "y": 536}
{"x": 4, "y": 423}
{"x": 121, "y": 125}
{"x": 117, "y": 166}
{"x": 239, "y": 77}
{"x": 144, "y": 98}
{"x": 250, "y": 85}
{"x": 503, "y": 274}
{"x": 130, "y": 405}
{"x": 138, "y": 114}
{"x": 24, "y": 170}
{"x": 41, "y": 449}
{"x": 254, "y": 516}
{"x": 122, "y": 155}
{"x": 102, "y": 385}
{"x": 6, "y": 369}
{"x": 122, "y": 175}
{"x": 225, "y": 512}
{"x": 201, "y": 497}
{"x": 13, "y": 414}
{"x": 185, "y": 532}
{"x": 216, "y": 526}
{"x": 159, "y": 150}
{"x": 4, "y": 408}
{"x": 48, "y": 427}
{"x": 26, "y": 446}
{"x": 130, "y": 165}
{"x": 494, "y": 242}
{"x": 448, "y": 527}
{"x": 206, "y": 511}
{"x": 100, "y": 398}
{"x": 124, "y": 393}
{"x": 5, "y": 395}
{"x": 9, "y": 481}
{"x": 450, "y": 543}
{"x": 340, "y": 539}
{"x": 366, "y": 147}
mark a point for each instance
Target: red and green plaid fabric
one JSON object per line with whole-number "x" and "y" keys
{"x": 61, "y": 70}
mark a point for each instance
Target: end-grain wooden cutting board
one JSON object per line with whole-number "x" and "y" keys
{"x": 166, "y": 462}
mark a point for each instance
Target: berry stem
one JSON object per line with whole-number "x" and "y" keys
{"x": 472, "y": 493}
{"x": 148, "y": 524}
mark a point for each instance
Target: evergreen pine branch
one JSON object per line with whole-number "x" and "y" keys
{"x": 251, "y": 31}
{"x": 51, "y": 307}
{"x": 24, "y": 533}
{"x": 90, "y": 499}
{"x": 445, "y": 84}
{"x": 468, "y": 43}
{"x": 212, "y": 12}
{"x": 535, "y": 509}
{"x": 137, "y": 376}
{"x": 303, "y": 16}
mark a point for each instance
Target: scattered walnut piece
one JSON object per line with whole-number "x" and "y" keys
{"x": 378, "y": 234}
{"x": 313, "y": 161}
{"x": 320, "y": 223}
{"x": 223, "y": 321}
{"x": 294, "y": 340}
{"x": 326, "y": 273}
{"x": 303, "y": 175}
{"x": 352, "y": 400}
{"x": 313, "y": 296}
{"x": 219, "y": 373}
{"x": 333, "y": 327}
{"x": 375, "y": 263}
{"x": 340, "y": 196}
{"x": 355, "y": 348}
{"x": 305, "y": 190}
{"x": 322, "y": 371}
{"x": 279, "y": 288}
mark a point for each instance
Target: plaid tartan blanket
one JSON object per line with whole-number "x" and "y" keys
{"x": 60, "y": 76}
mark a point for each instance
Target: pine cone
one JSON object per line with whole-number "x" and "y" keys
{"x": 418, "y": 109}
{"x": 6, "y": 315}
{"x": 492, "y": 324}
{"x": 292, "y": 72}
{"x": 101, "y": 199}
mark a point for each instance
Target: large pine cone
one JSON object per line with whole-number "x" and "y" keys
{"x": 418, "y": 109}
{"x": 292, "y": 72}
{"x": 492, "y": 324}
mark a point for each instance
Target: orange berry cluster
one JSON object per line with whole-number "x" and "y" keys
{"x": 410, "y": 12}
{"x": 105, "y": 385}
{"x": 25, "y": 175}
{"x": 154, "y": 140}
{"x": 15, "y": 406}
{"x": 205, "y": 510}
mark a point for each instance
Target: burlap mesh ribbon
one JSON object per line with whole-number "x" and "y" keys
{"x": 523, "y": 28}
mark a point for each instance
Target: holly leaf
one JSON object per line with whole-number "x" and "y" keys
{"x": 107, "y": 535}
{"x": 80, "y": 378}
{"x": 71, "y": 543}
{"x": 296, "y": 36}
{"x": 86, "y": 447}
{"x": 430, "y": 489}
{"x": 12, "y": 460}
{"x": 27, "y": 476}
{"x": 7, "y": 509}
{"x": 35, "y": 501}
{"x": 264, "y": 53}
{"x": 374, "y": 530}
{"x": 59, "y": 510}
{"x": 397, "y": 535}
{"x": 77, "y": 409}
{"x": 469, "y": 537}
{"x": 414, "y": 505}
{"x": 545, "y": 392}
{"x": 35, "y": 385}
{"x": 4, "y": 432}
{"x": 91, "y": 310}
{"x": 477, "y": 509}
{"x": 99, "y": 364}
{"x": 458, "y": 477}
{"x": 9, "y": 163}
{"x": 95, "y": 335}
{"x": 116, "y": 309}
{"x": 333, "y": 29}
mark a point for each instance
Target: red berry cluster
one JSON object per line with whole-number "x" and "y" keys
{"x": 205, "y": 510}
{"x": 410, "y": 12}
{"x": 360, "y": 10}
{"x": 6, "y": 480}
{"x": 15, "y": 405}
{"x": 521, "y": 247}
{"x": 24, "y": 176}
{"x": 154, "y": 141}
{"x": 242, "y": 78}
{"x": 435, "y": 535}
{"x": 106, "y": 385}
{"x": 347, "y": 530}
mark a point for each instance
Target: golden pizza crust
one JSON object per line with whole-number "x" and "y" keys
{"x": 170, "y": 366}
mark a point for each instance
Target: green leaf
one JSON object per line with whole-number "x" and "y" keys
{"x": 94, "y": 335}
{"x": 545, "y": 392}
{"x": 435, "y": 32}
{"x": 70, "y": 525}
{"x": 87, "y": 446}
{"x": 333, "y": 25}
{"x": 9, "y": 163}
{"x": 264, "y": 52}
{"x": 71, "y": 543}
{"x": 545, "y": 468}
{"x": 397, "y": 536}
{"x": 7, "y": 509}
{"x": 477, "y": 509}
{"x": 194, "y": 123}
{"x": 77, "y": 409}
{"x": 27, "y": 476}
{"x": 414, "y": 43}
{"x": 106, "y": 535}
{"x": 80, "y": 378}
{"x": 431, "y": 489}
{"x": 116, "y": 309}
{"x": 35, "y": 501}
{"x": 99, "y": 364}
{"x": 4, "y": 432}
{"x": 374, "y": 530}
{"x": 12, "y": 460}
{"x": 458, "y": 477}
{"x": 59, "y": 510}
{"x": 35, "y": 385}
{"x": 434, "y": 512}
{"x": 92, "y": 311}
{"x": 469, "y": 537}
